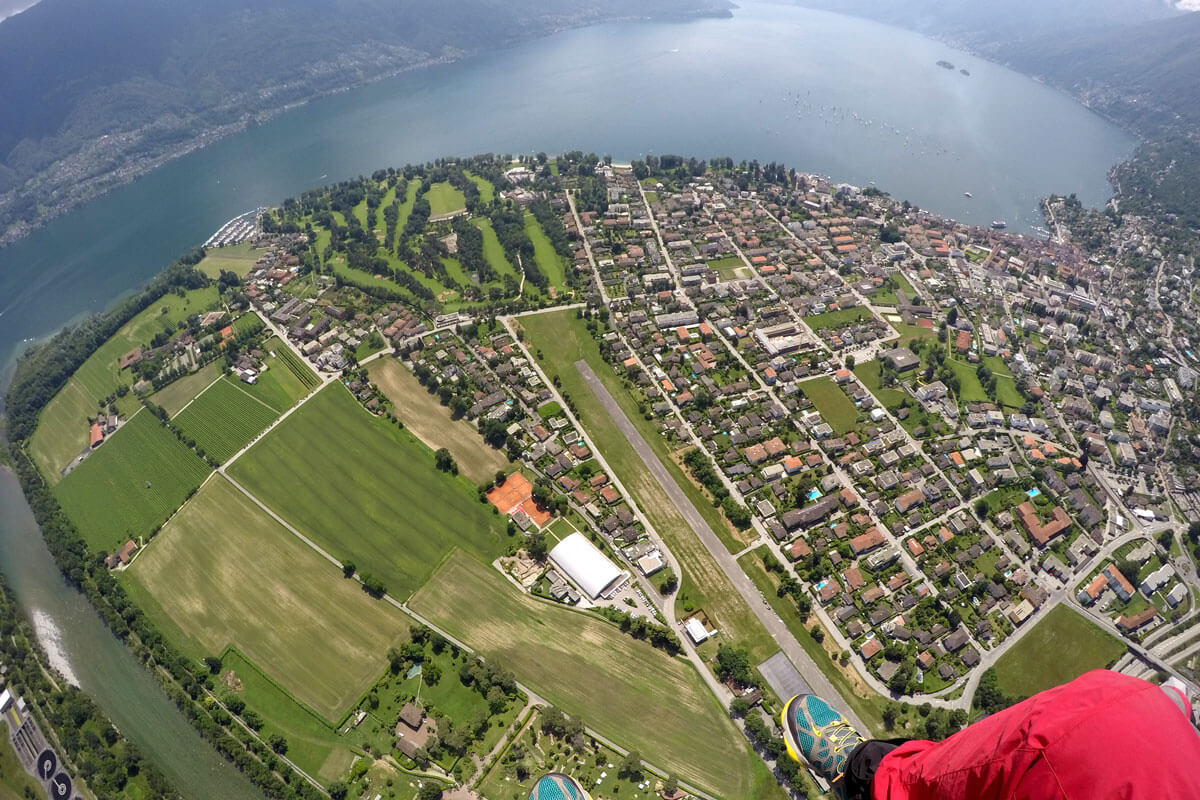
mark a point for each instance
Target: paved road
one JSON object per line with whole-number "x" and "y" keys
{"x": 783, "y": 637}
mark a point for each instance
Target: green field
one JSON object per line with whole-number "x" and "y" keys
{"x": 868, "y": 373}
{"x": 313, "y": 745}
{"x": 224, "y": 419}
{"x": 236, "y": 258}
{"x": 174, "y": 396}
{"x": 493, "y": 251}
{"x": 730, "y": 266}
{"x": 589, "y": 668}
{"x": 444, "y": 199}
{"x": 1006, "y": 385}
{"x": 131, "y": 484}
{"x": 1062, "y": 647}
{"x": 563, "y": 340}
{"x": 487, "y": 192}
{"x": 548, "y": 260}
{"x": 367, "y": 491}
{"x": 280, "y": 385}
{"x": 62, "y": 430}
{"x": 970, "y": 390}
{"x": 224, "y": 573}
{"x": 838, "y": 318}
{"x": 836, "y": 408}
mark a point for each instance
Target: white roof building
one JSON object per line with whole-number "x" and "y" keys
{"x": 584, "y": 564}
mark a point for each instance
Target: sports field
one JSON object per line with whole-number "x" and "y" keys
{"x": 624, "y": 689}
{"x": 836, "y": 408}
{"x": 444, "y": 199}
{"x": 62, "y": 430}
{"x": 224, "y": 419}
{"x": 563, "y": 340}
{"x": 367, "y": 491}
{"x": 430, "y": 421}
{"x": 487, "y": 192}
{"x": 223, "y": 573}
{"x": 547, "y": 257}
{"x": 131, "y": 484}
{"x": 1062, "y": 647}
{"x": 174, "y": 396}
{"x": 236, "y": 258}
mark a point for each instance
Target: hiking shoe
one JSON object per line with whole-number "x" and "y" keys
{"x": 556, "y": 786}
{"x": 817, "y": 734}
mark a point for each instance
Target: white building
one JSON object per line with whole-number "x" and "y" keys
{"x": 584, "y": 564}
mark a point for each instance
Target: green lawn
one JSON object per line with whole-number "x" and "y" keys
{"x": 406, "y": 205}
{"x": 367, "y": 491}
{"x": 235, "y": 258}
{"x": 836, "y": 408}
{"x": 868, "y": 373}
{"x": 131, "y": 484}
{"x": 728, "y": 266}
{"x": 587, "y": 667}
{"x": 444, "y": 199}
{"x": 487, "y": 192}
{"x": 548, "y": 259}
{"x": 313, "y": 744}
{"x": 563, "y": 340}
{"x": 838, "y": 318}
{"x": 174, "y": 396}
{"x": 970, "y": 390}
{"x": 493, "y": 252}
{"x": 225, "y": 418}
{"x": 909, "y": 332}
{"x": 224, "y": 573}
{"x": 285, "y": 380}
{"x": 1062, "y": 647}
{"x": 62, "y": 430}
{"x": 1006, "y": 385}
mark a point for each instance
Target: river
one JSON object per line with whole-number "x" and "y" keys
{"x": 824, "y": 93}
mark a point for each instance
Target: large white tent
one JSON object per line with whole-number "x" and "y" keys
{"x": 583, "y": 563}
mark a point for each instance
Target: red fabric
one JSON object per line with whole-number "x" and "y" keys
{"x": 1104, "y": 736}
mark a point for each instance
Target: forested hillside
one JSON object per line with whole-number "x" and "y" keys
{"x": 92, "y": 91}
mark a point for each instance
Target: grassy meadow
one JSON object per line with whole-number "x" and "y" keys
{"x": 430, "y": 421}
{"x": 131, "y": 484}
{"x": 224, "y": 573}
{"x": 367, "y": 491}
{"x": 1062, "y": 647}
{"x": 836, "y": 408}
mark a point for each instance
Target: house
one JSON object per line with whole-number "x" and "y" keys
{"x": 122, "y": 556}
{"x": 810, "y": 514}
{"x": 910, "y": 500}
{"x": 1117, "y": 582}
{"x": 867, "y": 541}
{"x": 1135, "y": 623}
{"x": 1041, "y": 533}
{"x": 955, "y": 641}
{"x": 870, "y": 649}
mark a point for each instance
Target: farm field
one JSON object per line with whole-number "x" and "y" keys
{"x": 174, "y": 396}
{"x": 131, "y": 484}
{"x": 367, "y": 491}
{"x": 838, "y": 318}
{"x": 556, "y": 651}
{"x": 1062, "y": 647}
{"x": 224, "y": 419}
{"x": 278, "y": 386}
{"x": 62, "y": 433}
{"x": 313, "y": 744}
{"x": 224, "y": 573}
{"x": 445, "y": 199}
{"x": 548, "y": 260}
{"x": 563, "y": 340}
{"x": 431, "y": 422}
{"x": 236, "y": 258}
{"x": 835, "y": 407}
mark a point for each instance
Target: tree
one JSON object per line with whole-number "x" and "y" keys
{"x": 850, "y": 362}
{"x": 631, "y": 766}
{"x": 213, "y": 663}
{"x": 671, "y": 785}
{"x": 670, "y": 582}
{"x": 444, "y": 461}
{"x": 348, "y": 569}
{"x": 278, "y": 743}
{"x": 337, "y": 790}
{"x": 981, "y": 508}
{"x": 1129, "y": 568}
{"x": 537, "y": 548}
{"x": 430, "y": 790}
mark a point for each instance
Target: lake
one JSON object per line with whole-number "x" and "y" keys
{"x": 843, "y": 97}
